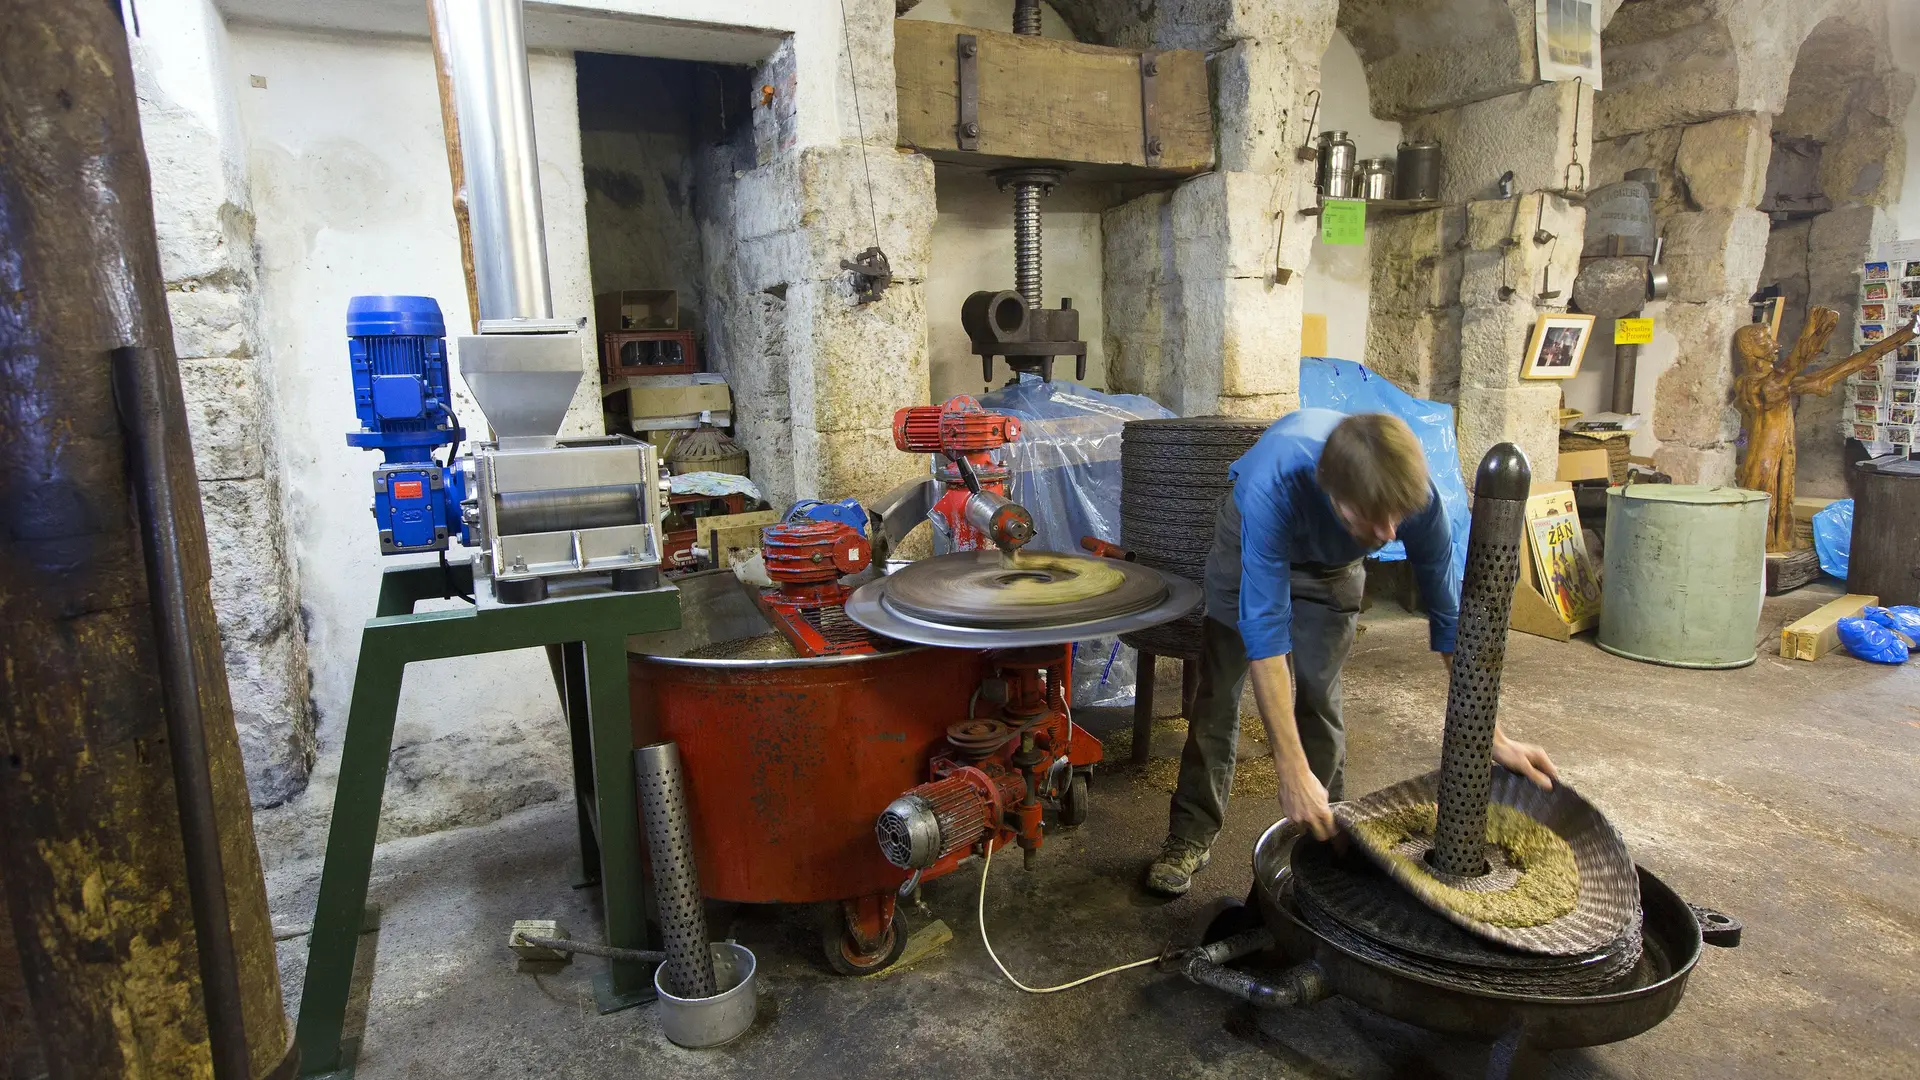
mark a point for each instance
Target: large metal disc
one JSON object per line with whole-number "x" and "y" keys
{"x": 972, "y": 600}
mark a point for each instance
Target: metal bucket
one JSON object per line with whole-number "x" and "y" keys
{"x": 1685, "y": 574}
{"x": 697, "y": 1023}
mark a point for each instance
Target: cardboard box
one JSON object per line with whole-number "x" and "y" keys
{"x": 655, "y": 397}
{"x": 1583, "y": 465}
{"x": 1819, "y": 633}
{"x": 636, "y": 309}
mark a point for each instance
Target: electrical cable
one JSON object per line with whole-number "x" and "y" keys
{"x": 981, "y": 914}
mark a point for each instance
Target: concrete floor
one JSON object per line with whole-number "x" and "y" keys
{"x": 1782, "y": 793}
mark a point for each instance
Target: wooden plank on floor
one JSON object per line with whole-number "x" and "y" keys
{"x": 1818, "y": 634}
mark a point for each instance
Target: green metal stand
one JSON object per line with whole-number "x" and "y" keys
{"x": 591, "y": 668}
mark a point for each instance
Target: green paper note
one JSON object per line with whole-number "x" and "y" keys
{"x": 1343, "y": 221}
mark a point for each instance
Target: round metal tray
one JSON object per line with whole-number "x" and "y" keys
{"x": 872, "y": 607}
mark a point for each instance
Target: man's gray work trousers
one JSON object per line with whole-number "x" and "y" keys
{"x": 1326, "y": 605}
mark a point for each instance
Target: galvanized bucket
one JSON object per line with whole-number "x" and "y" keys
{"x": 698, "y": 1023}
{"x": 1686, "y": 570}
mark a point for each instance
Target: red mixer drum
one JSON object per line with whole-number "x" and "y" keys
{"x": 788, "y": 762}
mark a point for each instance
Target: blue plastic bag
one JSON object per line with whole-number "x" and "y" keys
{"x": 1871, "y": 641}
{"x": 1344, "y": 386}
{"x": 1833, "y": 536}
{"x": 1904, "y": 619}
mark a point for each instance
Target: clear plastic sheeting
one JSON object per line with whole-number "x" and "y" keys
{"x": 1066, "y": 472}
{"x": 1344, "y": 386}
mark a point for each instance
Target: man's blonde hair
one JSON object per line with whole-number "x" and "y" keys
{"x": 1373, "y": 464}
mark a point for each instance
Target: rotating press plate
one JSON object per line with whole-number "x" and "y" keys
{"x": 969, "y": 600}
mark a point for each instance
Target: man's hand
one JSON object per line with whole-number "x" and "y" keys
{"x": 1303, "y": 800}
{"x": 1525, "y": 759}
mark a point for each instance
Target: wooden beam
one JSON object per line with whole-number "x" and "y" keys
{"x": 1045, "y": 100}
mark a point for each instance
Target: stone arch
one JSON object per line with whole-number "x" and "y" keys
{"x": 1838, "y": 154}
{"x": 1438, "y": 54}
{"x": 1691, "y": 90}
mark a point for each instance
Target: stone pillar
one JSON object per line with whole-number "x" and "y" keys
{"x": 1413, "y": 313}
{"x": 204, "y": 218}
{"x": 1542, "y": 134}
{"x": 1203, "y": 292}
{"x": 817, "y": 374}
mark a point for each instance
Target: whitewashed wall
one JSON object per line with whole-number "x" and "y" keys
{"x": 1339, "y": 279}
{"x": 351, "y": 196}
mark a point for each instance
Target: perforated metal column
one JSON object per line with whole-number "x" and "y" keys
{"x": 1473, "y": 696}
{"x": 676, "y": 880}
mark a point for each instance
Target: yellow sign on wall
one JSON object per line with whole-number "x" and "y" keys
{"x": 1632, "y": 331}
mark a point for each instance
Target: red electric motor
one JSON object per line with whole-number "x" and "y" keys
{"x": 974, "y": 511}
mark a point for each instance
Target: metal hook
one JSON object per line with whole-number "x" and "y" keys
{"x": 1566, "y": 179}
{"x": 1540, "y": 233}
{"x": 1307, "y": 152}
{"x": 1546, "y": 280}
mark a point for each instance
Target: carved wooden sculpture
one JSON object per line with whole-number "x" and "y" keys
{"x": 1765, "y": 391}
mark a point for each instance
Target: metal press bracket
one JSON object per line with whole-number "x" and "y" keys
{"x": 1150, "y": 106}
{"x": 966, "y": 49}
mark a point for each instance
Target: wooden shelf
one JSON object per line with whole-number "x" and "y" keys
{"x": 1384, "y": 206}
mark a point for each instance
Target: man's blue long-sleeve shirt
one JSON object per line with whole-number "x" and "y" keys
{"x": 1286, "y": 518}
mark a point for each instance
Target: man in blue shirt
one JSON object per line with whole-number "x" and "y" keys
{"x": 1317, "y": 494}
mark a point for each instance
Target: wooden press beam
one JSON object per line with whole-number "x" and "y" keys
{"x": 1045, "y": 100}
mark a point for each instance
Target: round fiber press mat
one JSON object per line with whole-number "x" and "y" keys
{"x": 1607, "y": 896}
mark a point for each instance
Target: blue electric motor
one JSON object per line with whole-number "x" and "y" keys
{"x": 401, "y": 392}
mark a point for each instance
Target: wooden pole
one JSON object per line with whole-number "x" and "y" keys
{"x": 456, "y": 165}
{"x": 94, "y": 862}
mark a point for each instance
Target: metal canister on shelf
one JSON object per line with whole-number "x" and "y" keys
{"x": 1376, "y": 179}
{"x": 1416, "y": 172}
{"x": 1339, "y": 180}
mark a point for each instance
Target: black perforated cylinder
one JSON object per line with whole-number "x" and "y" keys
{"x": 1473, "y": 696}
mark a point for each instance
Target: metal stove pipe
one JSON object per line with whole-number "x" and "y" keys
{"x": 1473, "y": 693}
{"x": 493, "y": 103}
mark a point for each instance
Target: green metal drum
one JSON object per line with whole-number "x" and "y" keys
{"x": 1686, "y": 571}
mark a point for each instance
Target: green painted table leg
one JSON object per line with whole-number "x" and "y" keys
{"x": 574, "y": 701}
{"x": 343, "y": 879}
{"x": 609, "y": 716}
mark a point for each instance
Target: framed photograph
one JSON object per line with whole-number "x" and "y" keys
{"x": 1559, "y": 341}
{"x": 1910, "y": 289}
{"x": 1911, "y": 269}
{"x": 1878, "y": 271}
{"x": 1874, "y": 290}
{"x": 1874, "y": 312}
{"x": 1868, "y": 331}
{"x": 1568, "y": 39}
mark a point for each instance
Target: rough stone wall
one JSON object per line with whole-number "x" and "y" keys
{"x": 204, "y": 217}
{"x": 1847, "y": 95}
{"x": 1202, "y": 289}
{"x": 816, "y": 374}
{"x": 1457, "y": 290}
{"x": 1697, "y": 91}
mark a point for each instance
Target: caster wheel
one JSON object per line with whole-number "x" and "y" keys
{"x": 1073, "y": 802}
{"x": 845, "y": 960}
